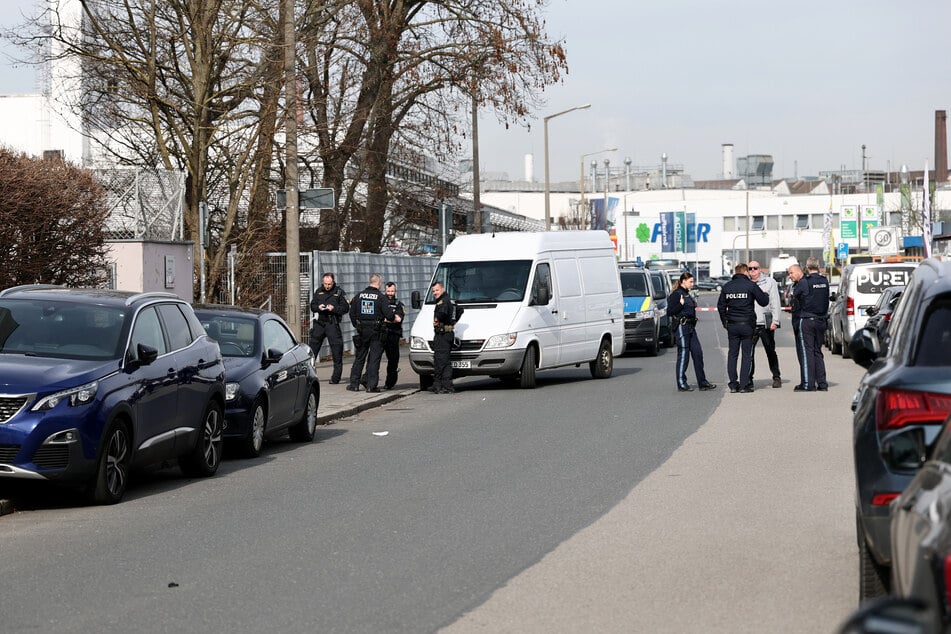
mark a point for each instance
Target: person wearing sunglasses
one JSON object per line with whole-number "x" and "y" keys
{"x": 767, "y": 321}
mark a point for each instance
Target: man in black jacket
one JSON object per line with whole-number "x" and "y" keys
{"x": 810, "y": 304}
{"x": 392, "y": 333}
{"x": 738, "y": 316}
{"x": 445, "y": 315}
{"x": 368, "y": 311}
{"x": 329, "y": 305}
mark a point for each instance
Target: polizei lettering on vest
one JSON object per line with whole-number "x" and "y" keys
{"x": 737, "y": 295}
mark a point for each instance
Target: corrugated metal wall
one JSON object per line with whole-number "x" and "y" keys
{"x": 353, "y": 270}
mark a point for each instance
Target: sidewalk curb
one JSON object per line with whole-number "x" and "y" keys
{"x": 369, "y": 403}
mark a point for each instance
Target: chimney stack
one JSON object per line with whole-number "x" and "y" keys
{"x": 940, "y": 146}
{"x": 727, "y": 161}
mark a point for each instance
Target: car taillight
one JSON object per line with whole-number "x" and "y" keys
{"x": 883, "y": 499}
{"x": 850, "y": 306}
{"x": 887, "y": 318}
{"x": 946, "y": 577}
{"x": 897, "y": 408}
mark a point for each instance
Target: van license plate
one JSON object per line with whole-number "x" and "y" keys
{"x": 462, "y": 365}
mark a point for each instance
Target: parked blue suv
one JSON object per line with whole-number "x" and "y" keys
{"x": 94, "y": 383}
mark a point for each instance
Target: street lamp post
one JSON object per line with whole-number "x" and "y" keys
{"x": 547, "y": 181}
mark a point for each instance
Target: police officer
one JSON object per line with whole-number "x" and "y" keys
{"x": 737, "y": 298}
{"x": 368, "y": 311}
{"x": 682, "y": 310}
{"x": 810, "y": 305}
{"x": 392, "y": 333}
{"x": 445, "y": 316}
{"x": 767, "y": 321}
{"x": 330, "y": 305}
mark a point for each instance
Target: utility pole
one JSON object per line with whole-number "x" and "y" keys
{"x": 292, "y": 211}
{"x": 476, "y": 204}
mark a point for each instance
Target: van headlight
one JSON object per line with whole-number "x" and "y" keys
{"x": 417, "y": 343}
{"x": 76, "y": 396}
{"x": 645, "y": 314}
{"x": 496, "y": 342}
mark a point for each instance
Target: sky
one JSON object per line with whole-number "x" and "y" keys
{"x": 808, "y": 82}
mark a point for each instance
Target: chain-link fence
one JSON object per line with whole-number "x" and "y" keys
{"x": 144, "y": 204}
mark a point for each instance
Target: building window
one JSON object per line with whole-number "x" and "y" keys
{"x": 772, "y": 223}
{"x": 818, "y": 221}
{"x": 729, "y": 223}
{"x": 758, "y": 223}
{"x": 802, "y": 221}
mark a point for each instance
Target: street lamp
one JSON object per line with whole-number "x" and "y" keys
{"x": 547, "y": 182}
{"x": 583, "y": 157}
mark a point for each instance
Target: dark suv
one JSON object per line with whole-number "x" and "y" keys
{"x": 899, "y": 408}
{"x": 94, "y": 383}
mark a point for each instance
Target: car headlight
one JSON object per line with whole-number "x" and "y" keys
{"x": 417, "y": 343}
{"x": 501, "y": 341}
{"x": 645, "y": 314}
{"x": 76, "y": 396}
{"x": 232, "y": 390}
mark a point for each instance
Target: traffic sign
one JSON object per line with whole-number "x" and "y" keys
{"x": 842, "y": 251}
{"x": 321, "y": 198}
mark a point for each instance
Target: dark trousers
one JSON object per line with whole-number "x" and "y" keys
{"x": 812, "y": 367}
{"x": 330, "y": 332}
{"x": 369, "y": 351}
{"x": 688, "y": 346}
{"x": 442, "y": 363}
{"x": 768, "y": 337}
{"x": 391, "y": 347}
{"x": 740, "y": 337}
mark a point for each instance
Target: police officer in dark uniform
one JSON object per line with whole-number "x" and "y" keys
{"x": 330, "y": 305}
{"x": 810, "y": 305}
{"x": 368, "y": 311}
{"x": 445, "y": 316}
{"x": 682, "y": 310}
{"x": 392, "y": 333}
{"x": 738, "y": 316}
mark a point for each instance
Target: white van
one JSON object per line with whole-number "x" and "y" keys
{"x": 532, "y": 301}
{"x": 860, "y": 287}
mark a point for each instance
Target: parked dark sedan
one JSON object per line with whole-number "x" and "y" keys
{"x": 899, "y": 408}
{"x": 880, "y": 315}
{"x": 271, "y": 382}
{"x": 921, "y": 536}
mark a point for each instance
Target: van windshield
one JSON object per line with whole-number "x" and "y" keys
{"x": 472, "y": 282}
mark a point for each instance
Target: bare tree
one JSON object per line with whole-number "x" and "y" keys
{"x": 53, "y": 215}
{"x": 417, "y": 63}
{"x": 185, "y": 84}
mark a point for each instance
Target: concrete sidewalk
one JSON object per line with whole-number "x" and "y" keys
{"x": 338, "y": 402}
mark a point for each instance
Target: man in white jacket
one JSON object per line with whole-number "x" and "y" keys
{"x": 767, "y": 321}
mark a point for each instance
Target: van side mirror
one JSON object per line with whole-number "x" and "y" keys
{"x": 833, "y": 296}
{"x": 543, "y": 296}
{"x": 416, "y": 300}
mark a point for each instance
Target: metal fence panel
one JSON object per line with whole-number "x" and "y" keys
{"x": 352, "y": 272}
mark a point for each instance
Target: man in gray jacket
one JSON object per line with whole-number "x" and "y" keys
{"x": 767, "y": 321}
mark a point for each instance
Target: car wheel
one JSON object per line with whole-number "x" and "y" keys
{"x": 654, "y": 348}
{"x": 425, "y": 381}
{"x": 846, "y": 353}
{"x": 834, "y": 344}
{"x": 112, "y": 472}
{"x": 203, "y": 460}
{"x": 304, "y": 430}
{"x": 251, "y": 444}
{"x": 873, "y": 578}
{"x": 603, "y": 365}
{"x": 527, "y": 374}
